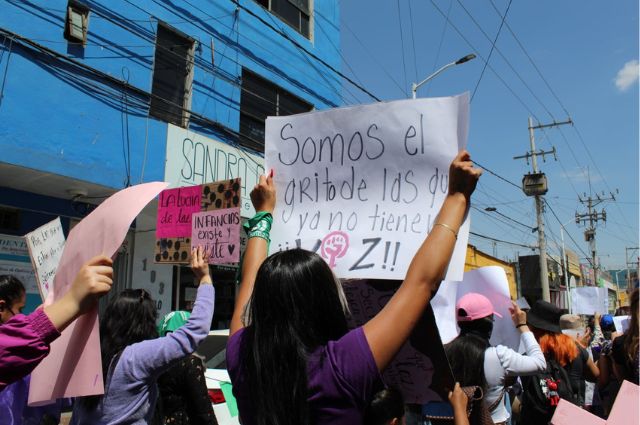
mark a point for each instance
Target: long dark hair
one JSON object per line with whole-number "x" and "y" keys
{"x": 466, "y": 352}
{"x": 129, "y": 318}
{"x": 296, "y": 306}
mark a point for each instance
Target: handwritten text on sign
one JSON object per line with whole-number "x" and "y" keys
{"x": 362, "y": 186}
{"x": 46, "y": 244}
{"x": 219, "y": 233}
{"x": 175, "y": 208}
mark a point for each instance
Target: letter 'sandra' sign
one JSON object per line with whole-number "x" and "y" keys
{"x": 362, "y": 186}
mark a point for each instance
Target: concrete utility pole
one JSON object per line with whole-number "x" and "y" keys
{"x": 592, "y": 217}
{"x": 535, "y": 184}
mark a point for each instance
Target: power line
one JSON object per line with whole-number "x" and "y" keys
{"x": 413, "y": 40}
{"x": 507, "y": 86}
{"x": 493, "y": 45}
{"x": 501, "y": 241}
{"x": 404, "y": 66}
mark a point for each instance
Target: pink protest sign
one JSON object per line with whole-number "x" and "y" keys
{"x": 175, "y": 207}
{"x": 73, "y": 367}
{"x": 568, "y": 413}
{"x": 219, "y": 232}
{"x": 625, "y": 407}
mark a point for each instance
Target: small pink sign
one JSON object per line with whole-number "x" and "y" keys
{"x": 175, "y": 208}
{"x": 219, "y": 232}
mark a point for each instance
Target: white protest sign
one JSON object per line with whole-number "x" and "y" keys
{"x": 362, "y": 186}
{"x": 621, "y": 323}
{"x": 492, "y": 283}
{"x": 46, "y": 244}
{"x": 589, "y": 300}
{"x": 193, "y": 159}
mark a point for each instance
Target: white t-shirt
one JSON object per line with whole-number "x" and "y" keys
{"x": 501, "y": 362}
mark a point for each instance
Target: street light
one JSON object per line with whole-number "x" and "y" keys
{"x": 415, "y": 86}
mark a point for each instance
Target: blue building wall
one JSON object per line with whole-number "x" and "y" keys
{"x": 66, "y": 118}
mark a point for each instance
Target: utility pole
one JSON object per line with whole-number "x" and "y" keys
{"x": 633, "y": 263}
{"x": 592, "y": 217}
{"x": 535, "y": 184}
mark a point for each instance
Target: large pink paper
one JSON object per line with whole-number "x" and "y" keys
{"x": 569, "y": 414}
{"x": 74, "y": 368}
{"x": 175, "y": 208}
{"x": 218, "y": 231}
{"x": 625, "y": 407}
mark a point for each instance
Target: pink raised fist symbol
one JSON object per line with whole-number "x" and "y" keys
{"x": 334, "y": 246}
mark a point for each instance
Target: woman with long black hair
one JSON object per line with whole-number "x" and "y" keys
{"x": 295, "y": 362}
{"x": 133, "y": 357}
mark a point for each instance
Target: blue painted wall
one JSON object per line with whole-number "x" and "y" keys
{"x": 59, "y": 120}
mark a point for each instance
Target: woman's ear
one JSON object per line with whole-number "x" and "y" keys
{"x": 3, "y": 305}
{"x": 394, "y": 421}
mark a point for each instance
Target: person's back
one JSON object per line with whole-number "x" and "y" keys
{"x": 295, "y": 362}
{"x": 132, "y": 369}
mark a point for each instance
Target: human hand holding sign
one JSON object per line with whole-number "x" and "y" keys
{"x": 463, "y": 177}
{"x": 93, "y": 281}
{"x": 200, "y": 265}
{"x": 263, "y": 195}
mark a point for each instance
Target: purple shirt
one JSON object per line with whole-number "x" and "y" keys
{"x": 342, "y": 375}
{"x": 24, "y": 342}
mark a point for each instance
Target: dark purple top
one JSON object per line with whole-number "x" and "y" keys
{"x": 342, "y": 375}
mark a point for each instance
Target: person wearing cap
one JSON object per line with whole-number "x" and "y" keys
{"x": 183, "y": 390}
{"x": 475, "y": 362}
{"x": 544, "y": 319}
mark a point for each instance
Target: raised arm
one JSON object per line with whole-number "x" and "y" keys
{"x": 391, "y": 327}
{"x": 263, "y": 198}
{"x": 514, "y": 363}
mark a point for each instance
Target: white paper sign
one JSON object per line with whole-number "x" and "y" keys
{"x": 621, "y": 323}
{"x": 362, "y": 186}
{"x": 46, "y": 244}
{"x": 193, "y": 159}
{"x": 589, "y": 300}
{"x": 492, "y": 283}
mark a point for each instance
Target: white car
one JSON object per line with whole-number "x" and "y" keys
{"x": 213, "y": 349}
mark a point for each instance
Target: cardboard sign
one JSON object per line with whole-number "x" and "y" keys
{"x": 218, "y": 232}
{"x": 362, "y": 186}
{"x": 73, "y": 368}
{"x": 175, "y": 207}
{"x": 589, "y": 300}
{"x": 420, "y": 370}
{"x": 568, "y": 413}
{"x": 492, "y": 283}
{"x": 46, "y": 244}
{"x": 625, "y": 407}
{"x": 183, "y": 203}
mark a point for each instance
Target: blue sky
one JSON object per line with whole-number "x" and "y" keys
{"x": 587, "y": 51}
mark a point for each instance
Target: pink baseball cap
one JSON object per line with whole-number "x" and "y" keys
{"x": 474, "y": 306}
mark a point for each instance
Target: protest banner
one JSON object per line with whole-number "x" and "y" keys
{"x": 492, "y": 283}
{"x": 175, "y": 230}
{"x": 625, "y": 407}
{"x": 46, "y": 244}
{"x": 15, "y": 261}
{"x": 193, "y": 159}
{"x": 589, "y": 300}
{"x": 420, "y": 370}
{"x": 621, "y": 323}
{"x": 568, "y": 413}
{"x": 362, "y": 186}
{"x": 218, "y": 232}
{"x": 73, "y": 368}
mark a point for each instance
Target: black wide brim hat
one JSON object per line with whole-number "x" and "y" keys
{"x": 544, "y": 315}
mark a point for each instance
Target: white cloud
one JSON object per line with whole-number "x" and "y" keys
{"x": 581, "y": 175}
{"x": 627, "y": 75}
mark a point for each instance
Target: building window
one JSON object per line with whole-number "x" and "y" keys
{"x": 296, "y": 13}
{"x": 172, "y": 76}
{"x": 76, "y": 22}
{"x": 261, "y": 98}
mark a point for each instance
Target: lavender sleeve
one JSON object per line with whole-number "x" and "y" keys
{"x": 24, "y": 342}
{"x": 148, "y": 359}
